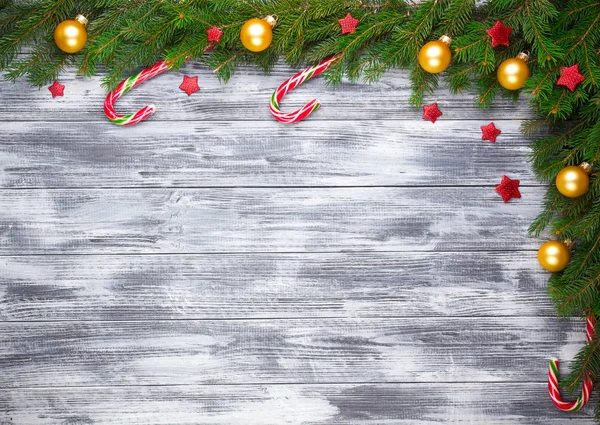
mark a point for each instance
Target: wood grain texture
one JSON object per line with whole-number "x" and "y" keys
{"x": 284, "y": 351}
{"x": 284, "y": 220}
{"x": 204, "y": 154}
{"x": 383, "y": 284}
{"x": 367, "y": 404}
{"x": 211, "y": 266}
{"x": 245, "y": 98}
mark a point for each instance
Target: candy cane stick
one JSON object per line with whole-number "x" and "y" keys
{"x": 124, "y": 87}
{"x": 588, "y": 384}
{"x": 290, "y": 84}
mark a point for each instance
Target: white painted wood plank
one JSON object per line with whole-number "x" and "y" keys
{"x": 225, "y": 154}
{"x": 245, "y": 97}
{"x": 427, "y": 328}
{"x": 366, "y": 404}
{"x": 283, "y": 220}
{"x": 453, "y": 349}
{"x": 150, "y": 287}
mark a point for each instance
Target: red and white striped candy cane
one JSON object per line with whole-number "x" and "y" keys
{"x": 124, "y": 87}
{"x": 588, "y": 384}
{"x": 292, "y": 83}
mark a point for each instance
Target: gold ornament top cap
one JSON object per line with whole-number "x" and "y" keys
{"x": 82, "y": 20}
{"x": 569, "y": 243}
{"x": 523, "y": 56}
{"x": 271, "y": 20}
{"x": 586, "y": 167}
{"x": 445, "y": 39}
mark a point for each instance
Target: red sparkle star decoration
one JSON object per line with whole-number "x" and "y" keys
{"x": 570, "y": 77}
{"x": 214, "y": 34}
{"x": 489, "y": 132}
{"x": 499, "y": 34}
{"x": 57, "y": 89}
{"x": 431, "y": 112}
{"x": 508, "y": 189}
{"x": 189, "y": 85}
{"x": 348, "y": 24}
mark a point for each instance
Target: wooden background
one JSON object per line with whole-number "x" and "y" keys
{"x": 212, "y": 266}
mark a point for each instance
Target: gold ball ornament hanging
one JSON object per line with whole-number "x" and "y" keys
{"x": 513, "y": 72}
{"x": 574, "y": 181}
{"x": 435, "y": 56}
{"x": 70, "y": 36}
{"x": 554, "y": 256}
{"x": 256, "y": 34}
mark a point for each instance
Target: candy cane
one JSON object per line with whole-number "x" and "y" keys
{"x": 124, "y": 87}
{"x": 292, "y": 83}
{"x": 588, "y": 384}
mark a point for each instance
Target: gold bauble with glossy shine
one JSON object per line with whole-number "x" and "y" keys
{"x": 513, "y": 73}
{"x": 435, "y": 56}
{"x": 573, "y": 181}
{"x": 70, "y": 36}
{"x": 256, "y": 34}
{"x": 554, "y": 256}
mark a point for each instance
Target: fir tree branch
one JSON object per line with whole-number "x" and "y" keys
{"x": 576, "y": 297}
{"x": 588, "y": 353}
{"x": 50, "y": 13}
{"x": 553, "y": 70}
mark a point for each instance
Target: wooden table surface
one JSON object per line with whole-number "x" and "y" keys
{"x": 212, "y": 266}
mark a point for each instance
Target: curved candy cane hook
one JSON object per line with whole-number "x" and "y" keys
{"x": 124, "y": 87}
{"x": 588, "y": 383}
{"x": 109, "y": 104}
{"x": 290, "y": 84}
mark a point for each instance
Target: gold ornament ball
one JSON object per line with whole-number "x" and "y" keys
{"x": 70, "y": 36}
{"x": 256, "y": 34}
{"x": 573, "y": 181}
{"x": 554, "y": 256}
{"x": 435, "y": 56}
{"x": 513, "y": 72}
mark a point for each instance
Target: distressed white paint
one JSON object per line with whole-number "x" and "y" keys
{"x": 224, "y": 269}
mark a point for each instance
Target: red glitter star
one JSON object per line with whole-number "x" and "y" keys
{"x": 489, "y": 132}
{"x": 214, "y": 34}
{"x": 57, "y": 89}
{"x": 348, "y": 24}
{"x": 499, "y": 34}
{"x": 431, "y": 112}
{"x": 189, "y": 85}
{"x": 570, "y": 77}
{"x": 508, "y": 189}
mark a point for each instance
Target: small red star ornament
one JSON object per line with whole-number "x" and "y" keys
{"x": 431, "y": 112}
{"x": 189, "y": 85}
{"x": 570, "y": 77}
{"x": 348, "y": 24}
{"x": 489, "y": 132}
{"x": 57, "y": 89}
{"x": 499, "y": 34}
{"x": 214, "y": 34}
{"x": 508, "y": 189}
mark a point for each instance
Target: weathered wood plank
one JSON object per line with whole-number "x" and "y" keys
{"x": 246, "y": 97}
{"x": 373, "y": 337}
{"x": 367, "y": 404}
{"x": 290, "y": 220}
{"x": 135, "y": 287}
{"x": 401, "y": 349}
{"x": 340, "y": 153}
